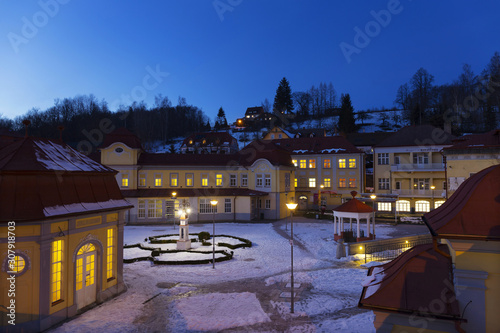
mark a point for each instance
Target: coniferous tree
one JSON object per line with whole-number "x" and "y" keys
{"x": 283, "y": 100}
{"x": 347, "y": 124}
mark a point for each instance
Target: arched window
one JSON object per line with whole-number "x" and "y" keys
{"x": 403, "y": 206}
{"x": 422, "y": 206}
{"x": 438, "y": 203}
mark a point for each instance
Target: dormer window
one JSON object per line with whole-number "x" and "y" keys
{"x": 119, "y": 150}
{"x": 204, "y": 141}
{"x": 190, "y": 142}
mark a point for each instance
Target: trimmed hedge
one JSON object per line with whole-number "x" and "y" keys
{"x": 227, "y": 256}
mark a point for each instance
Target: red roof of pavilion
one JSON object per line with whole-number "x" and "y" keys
{"x": 354, "y": 206}
{"x": 411, "y": 283}
{"x": 473, "y": 211}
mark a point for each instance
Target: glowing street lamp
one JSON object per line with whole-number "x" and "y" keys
{"x": 174, "y": 195}
{"x": 373, "y": 197}
{"x": 214, "y": 205}
{"x": 291, "y": 206}
{"x": 432, "y": 193}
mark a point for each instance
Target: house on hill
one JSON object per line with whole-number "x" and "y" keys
{"x": 209, "y": 143}
{"x": 61, "y": 225}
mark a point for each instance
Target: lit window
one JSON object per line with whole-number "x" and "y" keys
{"x": 327, "y": 182}
{"x": 17, "y": 265}
{"x": 327, "y": 164}
{"x": 244, "y": 180}
{"x": 296, "y": 182}
{"x": 342, "y": 182}
{"x": 158, "y": 180}
{"x": 233, "y": 180}
{"x": 227, "y": 206}
{"x": 312, "y": 182}
{"x": 302, "y": 164}
{"x": 141, "y": 211}
{"x": 124, "y": 180}
{"x": 267, "y": 181}
{"x": 352, "y": 182}
{"x": 384, "y": 206}
{"x": 57, "y": 260}
{"x": 422, "y": 206}
{"x": 189, "y": 179}
{"x": 268, "y": 204}
{"x": 204, "y": 180}
{"x": 352, "y": 163}
{"x": 403, "y": 206}
{"x": 312, "y": 164}
{"x": 142, "y": 179}
{"x": 110, "y": 254}
{"x": 218, "y": 179}
{"x": 294, "y": 162}
{"x": 438, "y": 203}
{"x": 258, "y": 182}
{"x": 174, "y": 177}
{"x": 341, "y": 163}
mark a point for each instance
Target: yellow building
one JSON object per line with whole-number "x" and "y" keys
{"x": 61, "y": 234}
{"x": 410, "y": 165}
{"x": 327, "y": 170}
{"x": 452, "y": 285}
{"x": 470, "y": 154}
{"x": 254, "y": 183}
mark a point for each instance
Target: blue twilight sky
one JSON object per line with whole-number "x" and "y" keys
{"x": 233, "y": 53}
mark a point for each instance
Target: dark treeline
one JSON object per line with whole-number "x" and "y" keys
{"x": 468, "y": 104}
{"x": 83, "y": 114}
{"x": 316, "y": 102}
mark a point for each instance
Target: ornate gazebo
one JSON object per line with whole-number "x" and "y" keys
{"x": 353, "y": 210}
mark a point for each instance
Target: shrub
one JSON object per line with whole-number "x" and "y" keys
{"x": 202, "y": 236}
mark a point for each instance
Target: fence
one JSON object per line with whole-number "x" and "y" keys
{"x": 380, "y": 250}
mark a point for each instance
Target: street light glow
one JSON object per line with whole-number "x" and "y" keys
{"x": 291, "y": 206}
{"x": 373, "y": 196}
{"x": 213, "y": 202}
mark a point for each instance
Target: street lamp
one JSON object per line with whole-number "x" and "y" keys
{"x": 291, "y": 206}
{"x": 373, "y": 197}
{"x": 214, "y": 205}
{"x": 174, "y": 195}
{"x": 432, "y": 193}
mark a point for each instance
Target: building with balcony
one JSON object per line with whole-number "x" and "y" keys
{"x": 470, "y": 154}
{"x": 410, "y": 164}
{"x": 327, "y": 170}
{"x": 61, "y": 234}
{"x": 252, "y": 184}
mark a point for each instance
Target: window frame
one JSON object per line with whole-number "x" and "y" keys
{"x": 228, "y": 205}
{"x": 158, "y": 180}
{"x": 342, "y": 163}
{"x": 124, "y": 182}
{"x": 327, "y": 163}
{"x": 312, "y": 163}
{"x": 142, "y": 180}
{"x": 244, "y": 180}
{"x": 302, "y": 164}
{"x": 174, "y": 179}
{"x": 189, "y": 177}
{"x": 56, "y": 270}
{"x": 327, "y": 182}
{"x": 312, "y": 182}
{"x": 342, "y": 182}
{"x": 219, "y": 180}
{"x": 205, "y": 182}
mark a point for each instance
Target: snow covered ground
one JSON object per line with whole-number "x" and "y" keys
{"x": 243, "y": 294}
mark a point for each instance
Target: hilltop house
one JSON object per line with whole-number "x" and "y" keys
{"x": 61, "y": 227}
{"x": 209, "y": 143}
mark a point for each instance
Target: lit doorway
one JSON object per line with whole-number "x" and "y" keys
{"x": 86, "y": 275}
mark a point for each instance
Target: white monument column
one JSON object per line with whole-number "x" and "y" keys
{"x": 184, "y": 243}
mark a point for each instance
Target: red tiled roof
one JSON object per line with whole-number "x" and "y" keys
{"x": 210, "y": 137}
{"x": 354, "y": 206}
{"x": 122, "y": 135}
{"x": 192, "y": 192}
{"x": 42, "y": 179}
{"x": 317, "y": 145}
{"x": 412, "y": 283}
{"x": 422, "y": 135}
{"x": 477, "y": 141}
{"x": 473, "y": 211}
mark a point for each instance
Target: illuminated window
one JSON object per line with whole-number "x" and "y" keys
{"x": 352, "y": 163}
{"x": 438, "y": 203}
{"x": 124, "y": 180}
{"x": 403, "y": 206}
{"x": 189, "y": 179}
{"x": 141, "y": 211}
{"x": 327, "y": 164}
{"x": 157, "y": 180}
{"x": 296, "y": 183}
{"x": 142, "y": 179}
{"x": 267, "y": 180}
{"x": 218, "y": 179}
{"x": 327, "y": 182}
{"x": 110, "y": 254}
{"x": 57, "y": 260}
{"x": 233, "y": 180}
{"x": 244, "y": 180}
{"x": 341, "y": 163}
{"x": 294, "y": 162}
{"x": 312, "y": 182}
{"x": 352, "y": 182}
{"x": 174, "y": 179}
{"x": 204, "y": 180}
{"x": 302, "y": 164}
{"x": 89, "y": 266}
{"x": 342, "y": 182}
{"x": 384, "y": 206}
{"x": 312, "y": 164}
{"x": 17, "y": 265}
{"x": 422, "y": 206}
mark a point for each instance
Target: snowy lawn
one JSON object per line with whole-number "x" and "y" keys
{"x": 244, "y": 292}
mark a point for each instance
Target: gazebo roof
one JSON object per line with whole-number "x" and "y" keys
{"x": 473, "y": 211}
{"x": 354, "y": 206}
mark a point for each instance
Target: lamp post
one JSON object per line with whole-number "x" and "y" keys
{"x": 291, "y": 207}
{"x": 214, "y": 205}
{"x": 174, "y": 195}
{"x": 373, "y": 197}
{"x": 432, "y": 194}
